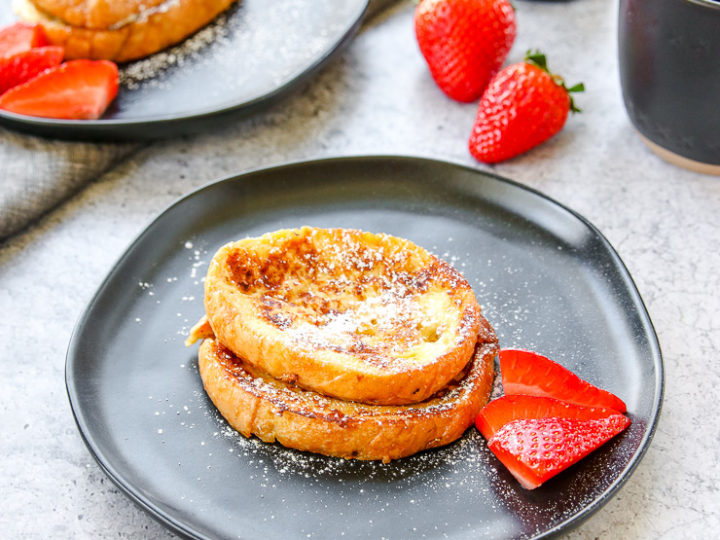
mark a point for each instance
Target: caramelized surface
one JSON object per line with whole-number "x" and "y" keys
{"x": 356, "y": 315}
{"x": 373, "y": 297}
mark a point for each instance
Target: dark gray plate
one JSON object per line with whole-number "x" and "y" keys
{"x": 546, "y": 278}
{"x": 248, "y": 57}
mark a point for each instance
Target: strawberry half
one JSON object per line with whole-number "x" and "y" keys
{"x": 526, "y": 372}
{"x": 508, "y": 408}
{"x": 464, "y": 42}
{"x": 535, "y": 450}
{"x": 21, "y": 37}
{"x": 23, "y": 66}
{"x": 79, "y": 89}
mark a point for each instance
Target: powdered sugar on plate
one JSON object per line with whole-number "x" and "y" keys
{"x": 147, "y": 70}
{"x": 247, "y": 52}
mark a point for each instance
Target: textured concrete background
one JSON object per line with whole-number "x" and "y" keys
{"x": 377, "y": 98}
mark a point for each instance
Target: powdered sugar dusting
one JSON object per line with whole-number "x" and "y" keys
{"x": 463, "y": 474}
{"x": 144, "y": 13}
{"x": 286, "y": 461}
{"x": 147, "y": 70}
{"x": 381, "y": 299}
{"x": 246, "y": 53}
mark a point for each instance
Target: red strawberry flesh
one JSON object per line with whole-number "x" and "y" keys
{"x": 23, "y": 66}
{"x": 508, "y": 408}
{"x": 526, "y": 372}
{"x": 534, "y": 450}
{"x": 21, "y": 37}
{"x": 79, "y": 89}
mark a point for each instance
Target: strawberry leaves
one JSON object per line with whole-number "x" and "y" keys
{"x": 540, "y": 60}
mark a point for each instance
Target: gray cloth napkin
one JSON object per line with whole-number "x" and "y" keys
{"x": 38, "y": 174}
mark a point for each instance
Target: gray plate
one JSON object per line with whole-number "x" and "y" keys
{"x": 248, "y": 57}
{"x": 546, "y": 278}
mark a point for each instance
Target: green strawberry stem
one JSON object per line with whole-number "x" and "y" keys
{"x": 540, "y": 60}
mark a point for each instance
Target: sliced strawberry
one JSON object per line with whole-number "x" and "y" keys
{"x": 537, "y": 449}
{"x": 21, "y": 37}
{"x": 505, "y": 409}
{"x": 79, "y": 89}
{"x": 23, "y": 66}
{"x": 526, "y": 372}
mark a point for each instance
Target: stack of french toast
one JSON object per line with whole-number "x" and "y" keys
{"x": 344, "y": 343}
{"x": 118, "y": 30}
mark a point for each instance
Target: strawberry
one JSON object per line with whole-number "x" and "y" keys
{"x": 79, "y": 89}
{"x": 526, "y": 372}
{"x": 523, "y": 106}
{"x": 21, "y": 37}
{"x": 506, "y": 409}
{"x": 464, "y": 42}
{"x": 534, "y": 450}
{"x": 23, "y": 66}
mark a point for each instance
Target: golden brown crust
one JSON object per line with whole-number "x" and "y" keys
{"x": 132, "y": 37}
{"x": 96, "y": 14}
{"x": 354, "y": 315}
{"x": 254, "y": 403}
{"x": 200, "y": 330}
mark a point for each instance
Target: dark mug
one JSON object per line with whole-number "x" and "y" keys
{"x": 669, "y": 53}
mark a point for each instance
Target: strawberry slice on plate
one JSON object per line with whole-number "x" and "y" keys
{"x": 526, "y": 372}
{"x": 506, "y": 409}
{"x": 75, "y": 90}
{"x": 23, "y": 66}
{"x": 536, "y": 449}
{"x": 21, "y": 37}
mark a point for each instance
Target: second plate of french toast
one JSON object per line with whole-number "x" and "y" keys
{"x": 186, "y": 65}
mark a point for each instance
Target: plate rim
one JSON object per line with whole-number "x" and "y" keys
{"x": 68, "y": 128}
{"x": 180, "y": 527}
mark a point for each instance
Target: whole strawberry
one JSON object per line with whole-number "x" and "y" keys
{"x": 464, "y": 42}
{"x": 523, "y": 106}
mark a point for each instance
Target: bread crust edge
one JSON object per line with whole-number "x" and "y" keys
{"x": 374, "y": 433}
{"x": 137, "y": 39}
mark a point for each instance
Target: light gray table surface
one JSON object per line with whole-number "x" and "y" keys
{"x": 377, "y": 98}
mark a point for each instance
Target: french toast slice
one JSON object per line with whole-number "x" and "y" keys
{"x": 96, "y": 14}
{"x": 354, "y": 315}
{"x": 254, "y": 403}
{"x": 140, "y": 28}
